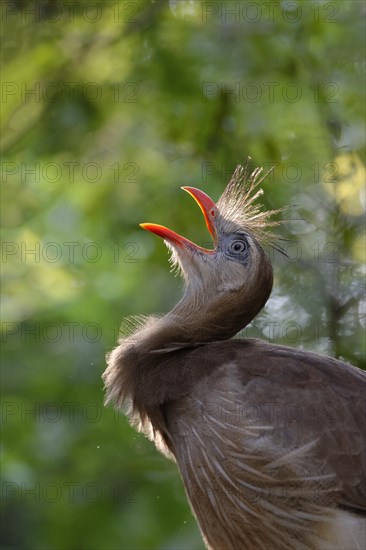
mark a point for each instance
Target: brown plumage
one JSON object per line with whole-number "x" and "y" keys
{"x": 269, "y": 440}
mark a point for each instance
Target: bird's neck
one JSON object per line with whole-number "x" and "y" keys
{"x": 146, "y": 366}
{"x": 200, "y": 321}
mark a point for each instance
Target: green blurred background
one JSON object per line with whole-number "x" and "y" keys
{"x": 107, "y": 109}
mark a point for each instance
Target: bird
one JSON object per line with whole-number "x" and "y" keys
{"x": 269, "y": 440}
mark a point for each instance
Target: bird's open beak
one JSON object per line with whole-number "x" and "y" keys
{"x": 209, "y": 211}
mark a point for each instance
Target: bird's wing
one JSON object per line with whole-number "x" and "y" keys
{"x": 311, "y": 399}
{"x": 272, "y": 426}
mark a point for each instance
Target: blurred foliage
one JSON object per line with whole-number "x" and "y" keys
{"x": 107, "y": 109}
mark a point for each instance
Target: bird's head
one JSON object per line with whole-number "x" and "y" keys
{"x": 226, "y": 286}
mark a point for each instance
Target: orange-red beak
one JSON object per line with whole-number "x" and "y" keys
{"x": 168, "y": 235}
{"x": 207, "y": 206}
{"x": 210, "y": 212}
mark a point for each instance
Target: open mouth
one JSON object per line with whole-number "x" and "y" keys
{"x": 210, "y": 213}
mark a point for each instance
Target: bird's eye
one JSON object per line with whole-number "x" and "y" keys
{"x": 238, "y": 246}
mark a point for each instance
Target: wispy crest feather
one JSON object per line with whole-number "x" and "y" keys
{"x": 237, "y": 204}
